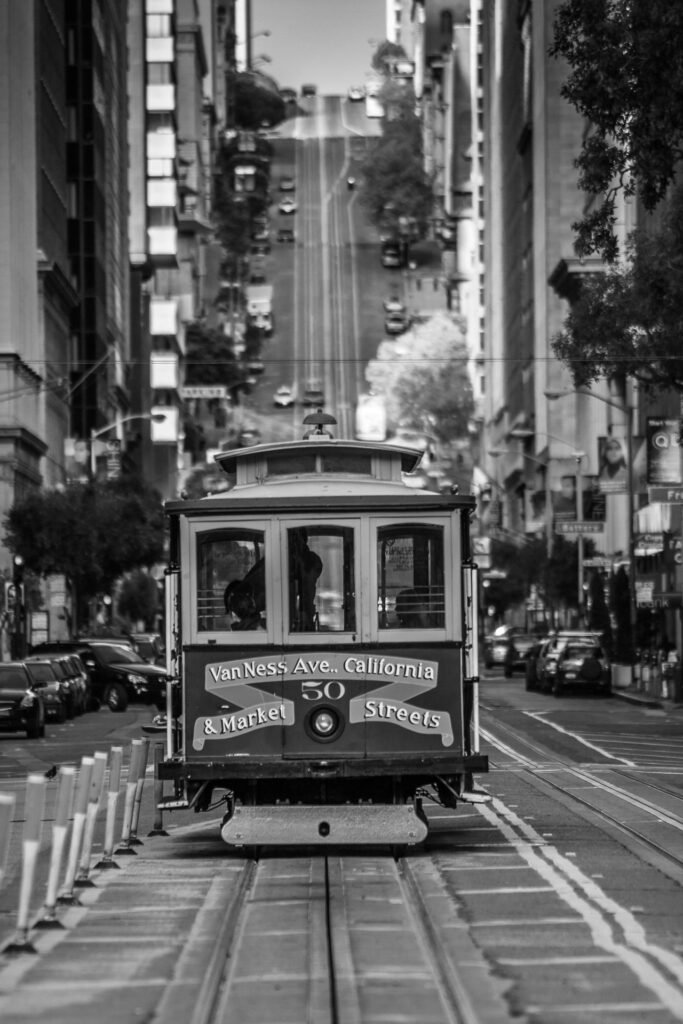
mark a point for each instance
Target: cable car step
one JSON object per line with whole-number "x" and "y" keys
{"x": 348, "y": 824}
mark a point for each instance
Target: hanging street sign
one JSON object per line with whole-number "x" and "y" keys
{"x": 204, "y": 391}
{"x": 579, "y": 527}
{"x": 672, "y": 495}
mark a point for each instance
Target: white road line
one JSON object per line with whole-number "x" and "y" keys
{"x": 600, "y": 912}
{"x": 539, "y": 716}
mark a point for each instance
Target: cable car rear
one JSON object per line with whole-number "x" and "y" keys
{"x": 322, "y": 635}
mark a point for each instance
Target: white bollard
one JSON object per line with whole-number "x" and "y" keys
{"x": 6, "y": 814}
{"x": 112, "y": 802}
{"x": 158, "y": 824}
{"x": 80, "y": 807}
{"x": 125, "y": 849}
{"x": 133, "y": 839}
{"x": 35, "y": 806}
{"x": 67, "y": 776}
{"x": 94, "y": 798}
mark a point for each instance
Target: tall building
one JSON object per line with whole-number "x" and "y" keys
{"x": 172, "y": 138}
{"x": 38, "y": 291}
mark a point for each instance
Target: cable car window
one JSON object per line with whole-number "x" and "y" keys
{"x": 321, "y": 579}
{"x": 410, "y": 574}
{"x": 346, "y": 462}
{"x": 231, "y": 580}
{"x": 285, "y": 465}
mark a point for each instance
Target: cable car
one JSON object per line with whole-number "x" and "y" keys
{"x": 321, "y": 635}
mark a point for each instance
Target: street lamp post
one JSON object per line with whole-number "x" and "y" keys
{"x": 94, "y": 434}
{"x": 630, "y": 413}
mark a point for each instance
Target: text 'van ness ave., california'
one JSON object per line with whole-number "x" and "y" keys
{"x": 320, "y": 665}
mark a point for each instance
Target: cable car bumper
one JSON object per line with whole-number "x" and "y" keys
{"x": 324, "y": 825}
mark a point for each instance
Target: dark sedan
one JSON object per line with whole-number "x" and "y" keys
{"x": 21, "y": 706}
{"x": 582, "y": 664}
{"x": 118, "y": 675}
{"x": 54, "y": 694}
{"x": 519, "y": 648}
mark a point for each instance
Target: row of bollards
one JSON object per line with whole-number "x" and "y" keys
{"x": 80, "y": 797}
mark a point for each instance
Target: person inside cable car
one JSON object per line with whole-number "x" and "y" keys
{"x": 241, "y": 603}
{"x": 305, "y": 568}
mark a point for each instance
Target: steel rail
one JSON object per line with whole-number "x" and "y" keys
{"x": 543, "y": 778}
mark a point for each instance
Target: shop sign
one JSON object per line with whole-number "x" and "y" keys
{"x": 666, "y": 599}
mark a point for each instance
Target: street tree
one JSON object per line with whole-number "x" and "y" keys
{"x": 424, "y": 378}
{"x": 620, "y": 600}
{"x": 395, "y": 183}
{"x": 256, "y": 100}
{"x": 90, "y": 534}
{"x": 210, "y": 358}
{"x": 628, "y": 321}
{"x": 385, "y": 53}
{"x": 598, "y": 612}
{"x": 139, "y": 598}
{"x": 626, "y": 78}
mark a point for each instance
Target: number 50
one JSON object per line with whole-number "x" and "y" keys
{"x": 332, "y": 690}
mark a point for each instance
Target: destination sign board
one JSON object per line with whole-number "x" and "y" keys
{"x": 579, "y": 527}
{"x": 204, "y": 391}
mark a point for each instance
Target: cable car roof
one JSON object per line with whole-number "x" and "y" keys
{"x": 346, "y": 471}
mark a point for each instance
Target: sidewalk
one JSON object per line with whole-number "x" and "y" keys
{"x": 141, "y": 945}
{"x": 634, "y": 695}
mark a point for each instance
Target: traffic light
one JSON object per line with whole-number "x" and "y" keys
{"x": 18, "y": 577}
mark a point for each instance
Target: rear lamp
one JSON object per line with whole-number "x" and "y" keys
{"x": 324, "y": 724}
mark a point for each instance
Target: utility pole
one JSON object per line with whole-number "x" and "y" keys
{"x": 18, "y": 611}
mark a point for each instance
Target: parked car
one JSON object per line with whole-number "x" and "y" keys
{"x": 313, "y": 392}
{"x": 549, "y": 655}
{"x": 396, "y": 323}
{"x": 582, "y": 663}
{"x": 356, "y": 93}
{"x": 150, "y": 646}
{"x": 287, "y": 205}
{"x": 496, "y": 644}
{"x": 287, "y": 183}
{"x": 248, "y": 436}
{"x": 55, "y": 698}
{"x": 21, "y": 706}
{"x": 392, "y": 304}
{"x": 286, "y": 235}
{"x": 118, "y": 675}
{"x": 70, "y": 678}
{"x": 519, "y": 647}
{"x": 284, "y": 397}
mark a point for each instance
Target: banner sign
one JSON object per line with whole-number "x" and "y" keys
{"x": 663, "y": 451}
{"x": 613, "y": 471}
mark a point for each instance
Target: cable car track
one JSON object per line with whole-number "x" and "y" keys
{"x": 542, "y": 778}
{"x": 316, "y": 921}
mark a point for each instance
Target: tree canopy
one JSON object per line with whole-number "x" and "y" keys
{"x": 628, "y": 321}
{"x": 625, "y": 62}
{"x": 384, "y": 54}
{"x": 256, "y": 100}
{"x": 90, "y": 534}
{"x": 394, "y": 180}
{"x": 424, "y": 378}
{"x": 210, "y": 359}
